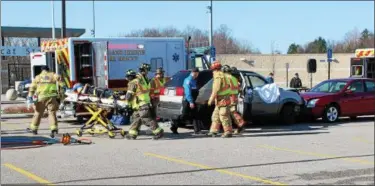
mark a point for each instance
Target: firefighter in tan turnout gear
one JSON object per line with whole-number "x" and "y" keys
{"x": 138, "y": 98}
{"x": 156, "y": 84}
{"x": 231, "y": 73}
{"x": 44, "y": 93}
{"x": 221, "y": 96}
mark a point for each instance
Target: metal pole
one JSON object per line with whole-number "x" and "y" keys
{"x": 311, "y": 80}
{"x": 329, "y": 70}
{"x": 1, "y": 69}
{"x": 63, "y": 26}
{"x": 93, "y": 18}
{"x": 211, "y": 26}
{"x": 53, "y": 19}
{"x": 287, "y": 78}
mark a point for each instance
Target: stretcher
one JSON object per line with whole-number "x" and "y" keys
{"x": 100, "y": 110}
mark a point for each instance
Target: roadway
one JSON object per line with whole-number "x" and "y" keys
{"x": 313, "y": 153}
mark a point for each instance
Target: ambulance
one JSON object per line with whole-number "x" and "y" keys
{"x": 363, "y": 64}
{"x": 102, "y": 62}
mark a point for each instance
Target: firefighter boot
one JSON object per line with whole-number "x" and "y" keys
{"x": 212, "y": 134}
{"x": 159, "y": 134}
{"x": 239, "y": 130}
{"x": 33, "y": 129}
{"x": 54, "y": 132}
{"x": 132, "y": 135}
{"x": 226, "y": 135}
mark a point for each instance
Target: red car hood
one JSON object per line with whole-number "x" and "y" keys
{"x": 313, "y": 95}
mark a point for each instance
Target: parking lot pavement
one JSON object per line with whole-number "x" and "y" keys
{"x": 279, "y": 155}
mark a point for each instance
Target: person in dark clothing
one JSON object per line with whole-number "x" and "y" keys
{"x": 270, "y": 78}
{"x": 189, "y": 107}
{"x": 295, "y": 82}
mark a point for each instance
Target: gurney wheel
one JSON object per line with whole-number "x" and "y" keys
{"x": 123, "y": 133}
{"x": 79, "y": 133}
{"x": 111, "y": 134}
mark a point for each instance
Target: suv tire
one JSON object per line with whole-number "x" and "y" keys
{"x": 288, "y": 116}
{"x": 331, "y": 113}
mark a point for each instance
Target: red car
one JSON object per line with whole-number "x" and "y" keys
{"x": 334, "y": 98}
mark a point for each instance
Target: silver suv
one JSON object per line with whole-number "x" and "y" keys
{"x": 286, "y": 108}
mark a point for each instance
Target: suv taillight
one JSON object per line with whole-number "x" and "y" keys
{"x": 179, "y": 91}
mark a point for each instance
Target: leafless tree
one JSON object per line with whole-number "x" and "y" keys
{"x": 224, "y": 42}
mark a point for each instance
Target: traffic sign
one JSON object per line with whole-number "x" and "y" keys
{"x": 329, "y": 55}
{"x": 213, "y": 53}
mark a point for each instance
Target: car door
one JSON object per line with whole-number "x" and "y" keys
{"x": 352, "y": 103}
{"x": 369, "y": 98}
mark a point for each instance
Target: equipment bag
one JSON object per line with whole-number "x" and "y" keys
{"x": 119, "y": 119}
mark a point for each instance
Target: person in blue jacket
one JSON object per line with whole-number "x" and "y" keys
{"x": 189, "y": 107}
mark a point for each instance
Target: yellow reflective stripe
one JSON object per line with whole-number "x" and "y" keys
{"x": 133, "y": 132}
{"x": 157, "y": 131}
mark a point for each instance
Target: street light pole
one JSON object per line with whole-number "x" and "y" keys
{"x": 211, "y": 25}
{"x": 53, "y": 19}
{"x": 63, "y": 13}
{"x": 93, "y": 18}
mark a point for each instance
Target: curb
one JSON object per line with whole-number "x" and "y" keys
{"x": 12, "y": 116}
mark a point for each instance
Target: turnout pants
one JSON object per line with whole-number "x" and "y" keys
{"x": 39, "y": 107}
{"x": 221, "y": 116}
{"x": 155, "y": 103}
{"x": 143, "y": 116}
{"x": 238, "y": 120}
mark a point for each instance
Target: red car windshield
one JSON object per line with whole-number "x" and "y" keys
{"x": 329, "y": 87}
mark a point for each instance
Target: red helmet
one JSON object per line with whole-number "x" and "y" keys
{"x": 216, "y": 65}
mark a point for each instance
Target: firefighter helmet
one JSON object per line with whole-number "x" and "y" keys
{"x": 216, "y": 65}
{"x": 235, "y": 71}
{"x": 227, "y": 69}
{"x": 145, "y": 67}
{"x": 131, "y": 72}
{"x": 160, "y": 70}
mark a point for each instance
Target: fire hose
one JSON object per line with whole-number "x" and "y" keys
{"x": 65, "y": 140}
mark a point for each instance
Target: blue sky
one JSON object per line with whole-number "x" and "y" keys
{"x": 257, "y": 22}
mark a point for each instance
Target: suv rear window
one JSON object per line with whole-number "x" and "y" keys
{"x": 178, "y": 79}
{"x": 203, "y": 78}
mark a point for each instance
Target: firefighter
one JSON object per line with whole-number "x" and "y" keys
{"x": 156, "y": 84}
{"x": 221, "y": 95}
{"x": 45, "y": 95}
{"x": 234, "y": 87}
{"x": 138, "y": 98}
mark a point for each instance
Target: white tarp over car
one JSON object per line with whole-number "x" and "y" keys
{"x": 269, "y": 93}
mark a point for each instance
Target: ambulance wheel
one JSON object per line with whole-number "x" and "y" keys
{"x": 79, "y": 133}
{"x": 111, "y": 135}
{"x": 123, "y": 133}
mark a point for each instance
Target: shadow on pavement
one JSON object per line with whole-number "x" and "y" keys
{"x": 346, "y": 177}
{"x": 219, "y": 168}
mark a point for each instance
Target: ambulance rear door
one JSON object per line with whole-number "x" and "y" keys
{"x": 100, "y": 50}
{"x": 40, "y": 59}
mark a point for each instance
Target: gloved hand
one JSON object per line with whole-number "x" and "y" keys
{"x": 29, "y": 102}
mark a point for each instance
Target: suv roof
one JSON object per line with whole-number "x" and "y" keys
{"x": 178, "y": 78}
